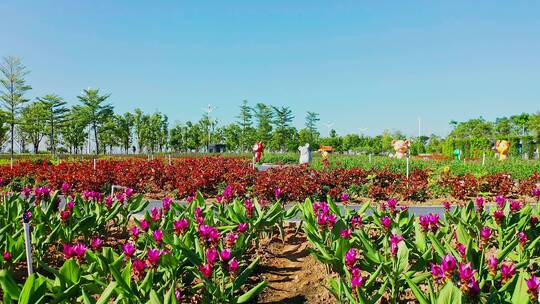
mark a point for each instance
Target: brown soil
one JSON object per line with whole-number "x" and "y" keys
{"x": 293, "y": 275}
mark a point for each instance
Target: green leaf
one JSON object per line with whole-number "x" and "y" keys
{"x": 27, "y": 290}
{"x": 107, "y": 293}
{"x": 402, "y": 257}
{"x": 86, "y": 298}
{"x": 520, "y": 295}
{"x": 71, "y": 271}
{"x": 252, "y": 292}
{"x": 417, "y": 292}
{"x": 450, "y": 294}
{"x": 9, "y": 286}
{"x": 241, "y": 279}
{"x": 154, "y": 298}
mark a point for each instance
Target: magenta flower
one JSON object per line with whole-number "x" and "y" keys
{"x": 166, "y": 203}
{"x": 473, "y": 288}
{"x": 465, "y": 272}
{"x": 231, "y": 239}
{"x": 485, "y": 233}
{"x": 96, "y": 243}
{"x": 344, "y": 197}
{"x": 249, "y": 207}
{"x": 346, "y": 233}
{"x": 461, "y": 249}
{"x": 433, "y": 221}
{"x": 350, "y": 257}
{"x": 64, "y": 215}
{"x": 498, "y": 215}
{"x": 156, "y": 214}
{"x": 233, "y": 265}
{"x": 533, "y": 286}
{"x": 357, "y": 280}
{"x": 437, "y": 273}
{"x": 447, "y": 206}
{"x": 120, "y": 197}
{"x": 190, "y": 198}
{"x": 70, "y": 205}
{"x": 522, "y": 238}
{"x": 242, "y": 227}
{"x": 536, "y": 192}
{"x": 515, "y": 206}
{"x": 391, "y": 203}
{"x": 507, "y": 271}
{"x": 109, "y": 202}
{"x": 158, "y": 236}
{"x": 424, "y": 222}
{"x": 144, "y": 225}
{"x": 206, "y": 270}
{"x": 128, "y": 192}
{"x": 356, "y": 221}
{"x": 492, "y": 264}
{"x": 65, "y": 187}
{"x": 448, "y": 264}
{"x": 386, "y": 222}
{"x": 331, "y": 220}
{"x": 533, "y": 220}
{"x": 480, "y": 203}
{"x": 135, "y": 232}
{"x": 177, "y": 295}
{"x": 394, "y": 241}
{"x": 208, "y": 233}
{"x": 180, "y": 226}
{"x": 68, "y": 251}
{"x": 26, "y": 191}
{"x": 153, "y": 256}
{"x": 80, "y": 249}
{"x": 500, "y": 200}
{"x": 6, "y": 256}
{"x": 277, "y": 192}
{"x": 138, "y": 267}
{"x": 211, "y": 255}
{"x": 225, "y": 255}
{"x": 129, "y": 249}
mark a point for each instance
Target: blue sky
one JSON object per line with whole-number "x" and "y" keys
{"x": 360, "y": 64}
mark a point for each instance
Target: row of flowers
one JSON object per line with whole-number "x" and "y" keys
{"x": 93, "y": 249}
{"x": 469, "y": 255}
{"x": 210, "y": 175}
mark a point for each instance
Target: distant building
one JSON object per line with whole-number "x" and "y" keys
{"x": 216, "y": 148}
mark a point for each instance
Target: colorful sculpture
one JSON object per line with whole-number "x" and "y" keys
{"x": 324, "y": 153}
{"x": 305, "y": 154}
{"x": 258, "y": 149}
{"x": 457, "y": 154}
{"x": 502, "y": 147}
{"x": 401, "y": 147}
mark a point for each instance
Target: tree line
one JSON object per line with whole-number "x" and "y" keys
{"x": 47, "y": 123}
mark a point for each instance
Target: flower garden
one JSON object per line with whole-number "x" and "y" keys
{"x": 203, "y": 243}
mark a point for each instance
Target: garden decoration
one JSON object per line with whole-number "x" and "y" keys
{"x": 457, "y": 154}
{"x": 324, "y": 150}
{"x": 258, "y": 149}
{"x": 502, "y": 147}
{"x": 305, "y": 154}
{"x": 27, "y": 241}
{"x": 401, "y": 147}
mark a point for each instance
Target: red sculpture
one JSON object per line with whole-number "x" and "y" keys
{"x": 258, "y": 149}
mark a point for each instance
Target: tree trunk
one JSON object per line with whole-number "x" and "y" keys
{"x": 96, "y": 138}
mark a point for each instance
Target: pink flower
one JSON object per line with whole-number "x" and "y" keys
{"x": 109, "y": 202}
{"x": 156, "y": 214}
{"x": 70, "y": 205}
{"x": 344, "y": 197}
{"x": 153, "y": 255}
{"x": 190, "y": 198}
{"x": 507, "y": 271}
{"x": 231, "y": 239}
{"x": 144, "y": 225}
{"x": 536, "y": 192}
{"x": 277, "y": 192}
{"x": 424, "y": 222}
{"x": 208, "y": 233}
{"x": 135, "y": 232}
{"x": 128, "y": 192}
{"x": 447, "y": 206}
{"x": 158, "y": 236}
{"x": 80, "y": 250}
{"x": 96, "y": 243}
{"x": 356, "y": 221}
{"x": 448, "y": 264}
{"x": 394, "y": 241}
{"x": 350, "y": 257}
{"x": 242, "y": 227}
{"x": 357, "y": 280}
{"x": 515, "y": 206}
{"x": 485, "y": 233}
{"x": 386, "y": 222}
{"x": 129, "y": 249}
{"x": 180, "y": 226}
{"x": 177, "y": 295}
{"x": 492, "y": 265}
{"x": 249, "y": 207}
{"x": 498, "y": 215}
{"x": 466, "y": 272}
{"x": 138, "y": 267}
{"x": 533, "y": 220}
{"x": 166, "y": 203}
{"x": 233, "y": 265}
{"x": 6, "y": 256}
{"x": 64, "y": 215}
{"x": 461, "y": 249}
{"x": 346, "y": 233}
{"x": 206, "y": 270}
{"x": 437, "y": 273}
{"x": 501, "y": 201}
{"x": 26, "y": 191}
{"x": 480, "y": 203}
{"x": 211, "y": 255}
{"x": 68, "y": 251}
{"x": 65, "y": 187}
{"x": 391, "y": 203}
{"x": 522, "y": 238}
{"x": 225, "y": 255}
{"x": 120, "y": 197}
{"x": 533, "y": 285}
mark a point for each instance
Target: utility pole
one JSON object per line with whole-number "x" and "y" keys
{"x": 208, "y": 110}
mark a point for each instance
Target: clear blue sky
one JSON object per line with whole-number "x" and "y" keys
{"x": 360, "y": 64}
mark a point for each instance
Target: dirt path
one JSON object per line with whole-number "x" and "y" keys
{"x": 293, "y": 275}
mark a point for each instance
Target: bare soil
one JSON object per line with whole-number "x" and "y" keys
{"x": 293, "y": 275}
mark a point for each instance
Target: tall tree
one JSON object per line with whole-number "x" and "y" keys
{"x": 96, "y": 110}
{"x": 312, "y": 119}
{"x": 246, "y": 125}
{"x": 74, "y": 130}
{"x": 56, "y": 115}
{"x": 139, "y": 120}
{"x": 124, "y": 127}
{"x": 264, "y": 116}
{"x": 282, "y": 121}
{"x": 33, "y": 123}
{"x": 12, "y": 91}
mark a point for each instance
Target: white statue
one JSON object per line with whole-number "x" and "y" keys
{"x": 305, "y": 154}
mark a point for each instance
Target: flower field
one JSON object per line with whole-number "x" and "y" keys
{"x": 211, "y": 175}
{"x": 89, "y": 245}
